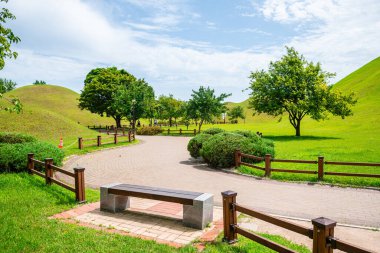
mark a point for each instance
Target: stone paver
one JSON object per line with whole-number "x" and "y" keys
{"x": 164, "y": 162}
{"x": 143, "y": 219}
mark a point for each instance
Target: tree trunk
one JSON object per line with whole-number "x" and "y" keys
{"x": 200, "y": 125}
{"x": 170, "y": 122}
{"x": 118, "y": 121}
{"x": 298, "y": 128}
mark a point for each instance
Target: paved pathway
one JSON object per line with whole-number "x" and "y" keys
{"x": 164, "y": 162}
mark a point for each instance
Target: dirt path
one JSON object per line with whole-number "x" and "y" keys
{"x": 164, "y": 162}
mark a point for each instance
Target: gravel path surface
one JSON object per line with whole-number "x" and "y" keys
{"x": 163, "y": 161}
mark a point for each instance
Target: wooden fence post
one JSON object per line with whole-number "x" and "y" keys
{"x": 80, "y": 194}
{"x": 115, "y": 138}
{"x": 80, "y": 143}
{"x": 30, "y": 165}
{"x": 168, "y": 131}
{"x": 268, "y": 159}
{"x": 229, "y": 216}
{"x": 123, "y": 129}
{"x": 129, "y": 135}
{"x": 99, "y": 140}
{"x": 321, "y": 162}
{"x": 237, "y": 158}
{"x": 195, "y": 131}
{"x": 180, "y": 131}
{"x": 48, "y": 170}
{"x": 323, "y": 228}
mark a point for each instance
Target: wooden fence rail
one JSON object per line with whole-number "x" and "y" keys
{"x": 322, "y": 232}
{"x": 78, "y": 176}
{"x": 116, "y": 138}
{"x": 180, "y": 131}
{"x": 320, "y": 162}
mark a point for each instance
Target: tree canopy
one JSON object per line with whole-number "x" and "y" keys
{"x": 100, "y": 87}
{"x": 134, "y": 100}
{"x": 6, "y": 85}
{"x": 235, "y": 113}
{"x": 7, "y": 38}
{"x": 205, "y": 105}
{"x": 169, "y": 108}
{"x": 299, "y": 88}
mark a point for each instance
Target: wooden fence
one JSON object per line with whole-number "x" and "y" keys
{"x": 180, "y": 131}
{"x": 116, "y": 138}
{"x": 322, "y": 232}
{"x": 105, "y": 127}
{"x": 78, "y": 176}
{"x": 268, "y": 160}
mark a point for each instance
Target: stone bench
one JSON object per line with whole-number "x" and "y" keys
{"x": 197, "y": 207}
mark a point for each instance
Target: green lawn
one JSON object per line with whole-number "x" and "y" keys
{"x": 26, "y": 203}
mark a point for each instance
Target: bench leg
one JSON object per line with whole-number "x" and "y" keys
{"x": 111, "y": 202}
{"x": 200, "y": 214}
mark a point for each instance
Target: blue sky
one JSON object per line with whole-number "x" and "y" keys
{"x": 179, "y": 45}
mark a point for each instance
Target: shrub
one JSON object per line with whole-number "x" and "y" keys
{"x": 149, "y": 130}
{"x": 13, "y": 157}
{"x": 13, "y": 138}
{"x": 195, "y": 144}
{"x": 214, "y": 131}
{"x": 219, "y": 149}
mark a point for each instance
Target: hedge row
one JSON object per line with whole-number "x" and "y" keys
{"x": 14, "y": 149}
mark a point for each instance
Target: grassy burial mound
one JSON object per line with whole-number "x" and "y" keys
{"x": 49, "y": 113}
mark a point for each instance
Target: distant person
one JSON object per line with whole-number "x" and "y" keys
{"x": 138, "y": 123}
{"x": 155, "y": 122}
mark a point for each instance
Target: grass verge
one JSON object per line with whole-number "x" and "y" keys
{"x": 26, "y": 203}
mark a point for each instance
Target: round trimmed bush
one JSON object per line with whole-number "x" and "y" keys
{"x": 219, "y": 150}
{"x": 213, "y": 131}
{"x": 195, "y": 144}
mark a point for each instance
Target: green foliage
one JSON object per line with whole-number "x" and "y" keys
{"x": 7, "y": 37}
{"x": 6, "y": 85}
{"x": 16, "y": 107}
{"x": 133, "y": 101}
{"x": 149, "y": 130}
{"x": 195, "y": 144}
{"x": 13, "y": 138}
{"x": 169, "y": 108}
{"x": 218, "y": 151}
{"x": 13, "y": 157}
{"x": 205, "y": 105}
{"x": 39, "y": 82}
{"x": 100, "y": 87}
{"x": 213, "y": 130}
{"x": 235, "y": 113}
{"x": 298, "y": 87}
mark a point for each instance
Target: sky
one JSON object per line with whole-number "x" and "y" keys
{"x": 179, "y": 45}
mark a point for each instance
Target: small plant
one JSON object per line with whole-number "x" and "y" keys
{"x": 149, "y": 130}
{"x": 12, "y": 138}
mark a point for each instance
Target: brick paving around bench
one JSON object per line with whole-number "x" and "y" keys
{"x": 147, "y": 219}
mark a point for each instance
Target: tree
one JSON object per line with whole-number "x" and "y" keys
{"x": 169, "y": 108}
{"x": 6, "y": 85}
{"x": 205, "y": 105}
{"x": 299, "y": 88}
{"x": 100, "y": 87}
{"x": 7, "y": 38}
{"x": 39, "y": 82}
{"x": 235, "y": 113}
{"x": 133, "y": 101}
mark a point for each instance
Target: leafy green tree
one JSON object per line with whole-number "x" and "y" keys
{"x": 6, "y": 85}
{"x": 39, "y": 82}
{"x": 169, "y": 108}
{"x": 297, "y": 87}
{"x": 205, "y": 105}
{"x": 7, "y": 38}
{"x": 100, "y": 87}
{"x": 133, "y": 101}
{"x": 235, "y": 113}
